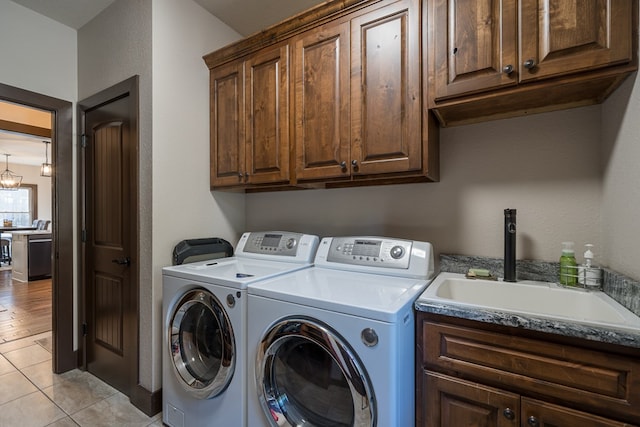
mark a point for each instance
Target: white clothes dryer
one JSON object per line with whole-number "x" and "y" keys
{"x": 204, "y": 309}
{"x": 333, "y": 345}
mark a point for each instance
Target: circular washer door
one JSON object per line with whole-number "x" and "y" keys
{"x": 202, "y": 344}
{"x": 308, "y": 376}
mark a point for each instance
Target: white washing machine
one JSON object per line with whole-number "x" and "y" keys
{"x": 204, "y": 307}
{"x": 333, "y": 345}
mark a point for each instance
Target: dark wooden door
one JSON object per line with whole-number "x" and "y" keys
{"x": 385, "y": 90}
{"x": 561, "y": 37}
{"x": 110, "y": 144}
{"x": 227, "y": 125}
{"x": 452, "y": 402}
{"x": 473, "y": 46}
{"x": 321, "y": 69}
{"x": 267, "y": 115}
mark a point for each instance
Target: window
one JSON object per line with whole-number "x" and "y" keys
{"x": 19, "y": 206}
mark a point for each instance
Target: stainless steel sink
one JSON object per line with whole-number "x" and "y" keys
{"x": 541, "y": 299}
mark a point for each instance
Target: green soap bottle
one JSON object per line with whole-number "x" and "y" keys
{"x": 568, "y": 265}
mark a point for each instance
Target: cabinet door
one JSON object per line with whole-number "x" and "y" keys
{"x": 472, "y": 46}
{"x": 565, "y": 36}
{"x": 543, "y": 414}
{"x": 385, "y": 90}
{"x": 267, "y": 115}
{"x": 321, "y": 102}
{"x": 227, "y": 125}
{"x": 454, "y": 402}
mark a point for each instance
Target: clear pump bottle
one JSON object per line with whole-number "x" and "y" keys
{"x": 568, "y": 265}
{"x": 588, "y": 273}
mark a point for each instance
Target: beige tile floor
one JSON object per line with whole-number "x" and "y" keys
{"x": 31, "y": 395}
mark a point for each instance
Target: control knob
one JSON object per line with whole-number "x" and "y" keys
{"x": 291, "y": 243}
{"x": 396, "y": 252}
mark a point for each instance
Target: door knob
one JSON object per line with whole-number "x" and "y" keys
{"x": 122, "y": 261}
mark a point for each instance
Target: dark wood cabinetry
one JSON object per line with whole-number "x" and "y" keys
{"x": 249, "y": 120}
{"x": 491, "y": 58}
{"x": 345, "y": 88}
{"x": 504, "y": 377}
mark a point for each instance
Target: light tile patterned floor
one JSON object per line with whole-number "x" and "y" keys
{"x": 31, "y": 395}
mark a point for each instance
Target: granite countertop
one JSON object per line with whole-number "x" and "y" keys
{"x": 32, "y": 232}
{"x": 624, "y": 337}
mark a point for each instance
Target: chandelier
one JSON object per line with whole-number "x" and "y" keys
{"x": 8, "y": 179}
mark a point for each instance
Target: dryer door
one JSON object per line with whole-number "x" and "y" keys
{"x": 307, "y": 375}
{"x": 202, "y": 344}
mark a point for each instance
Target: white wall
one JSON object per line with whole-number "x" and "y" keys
{"x": 621, "y": 179}
{"x": 183, "y": 207}
{"x": 113, "y": 47}
{"x": 38, "y": 53}
{"x": 546, "y": 166}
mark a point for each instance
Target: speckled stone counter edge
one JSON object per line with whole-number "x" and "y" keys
{"x": 623, "y": 289}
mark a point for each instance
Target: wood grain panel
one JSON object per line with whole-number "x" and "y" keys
{"x": 472, "y": 41}
{"x": 600, "y": 380}
{"x": 108, "y": 190}
{"x": 549, "y": 415}
{"x": 386, "y": 96}
{"x": 267, "y": 115}
{"x": 227, "y": 125}
{"x": 109, "y": 303}
{"x": 454, "y": 402}
{"x": 565, "y": 36}
{"x": 321, "y": 109}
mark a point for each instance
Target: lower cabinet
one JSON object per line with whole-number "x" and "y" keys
{"x": 450, "y": 402}
{"x": 471, "y": 373}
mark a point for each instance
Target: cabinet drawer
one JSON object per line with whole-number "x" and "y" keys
{"x": 600, "y": 381}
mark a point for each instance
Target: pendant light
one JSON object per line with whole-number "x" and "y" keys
{"x": 8, "y": 179}
{"x": 46, "y": 169}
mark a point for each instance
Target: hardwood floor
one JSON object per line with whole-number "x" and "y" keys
{"x": 25, "y": 308}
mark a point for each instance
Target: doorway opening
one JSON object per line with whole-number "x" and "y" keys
{"x": 62, "y": 243}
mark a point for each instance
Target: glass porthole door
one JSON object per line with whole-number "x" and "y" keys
{"x": 202, "y": 344}
{"x": 308, "y": 376}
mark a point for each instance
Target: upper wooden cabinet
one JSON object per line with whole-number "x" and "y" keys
{"x": 500, "y": 58}
{"x": 249, "y": 120}
{"x": 339, "y": 103}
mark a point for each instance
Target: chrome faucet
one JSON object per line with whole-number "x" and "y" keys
{"x": 509, "y": 245}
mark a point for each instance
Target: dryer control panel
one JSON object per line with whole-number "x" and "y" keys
{"x": 291, "y": 247}
{"x": 367, "y": 251}
{"x": 379, "y": 255}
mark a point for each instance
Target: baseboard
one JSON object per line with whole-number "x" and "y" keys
{"x": 148, "y": 402}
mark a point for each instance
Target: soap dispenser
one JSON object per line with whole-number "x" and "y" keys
{"x": 589, "y": 275}
{"x": 568, "y": 265}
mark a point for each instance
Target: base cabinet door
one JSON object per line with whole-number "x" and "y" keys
{"x": 453, "y": 402}
{"x": 535, "y": 413}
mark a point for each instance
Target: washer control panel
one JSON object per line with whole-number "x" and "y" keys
{"x": 272, "y": 243}
{"x": 378, "y": 252}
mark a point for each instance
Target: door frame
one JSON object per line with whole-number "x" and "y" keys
{"x": 125, "y": 88}
{"x": 62, "y": 274}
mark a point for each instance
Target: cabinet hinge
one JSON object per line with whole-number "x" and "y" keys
{"x": 83, "y": 236}
{"x": 83, "y": 141}
{"x": 84, "y": 329}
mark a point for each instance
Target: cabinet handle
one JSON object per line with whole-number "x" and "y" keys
{"x": 240, "y": 175}
{"x": 354, "y": 163}
{"x": 246, "y": 175}
{"x": 529, "y": 64}
{"x": 343, "y": 166}
{"x": 508, "y": 69}
{"x": 533, "y": 421}
{"x": 509, "y": 414}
